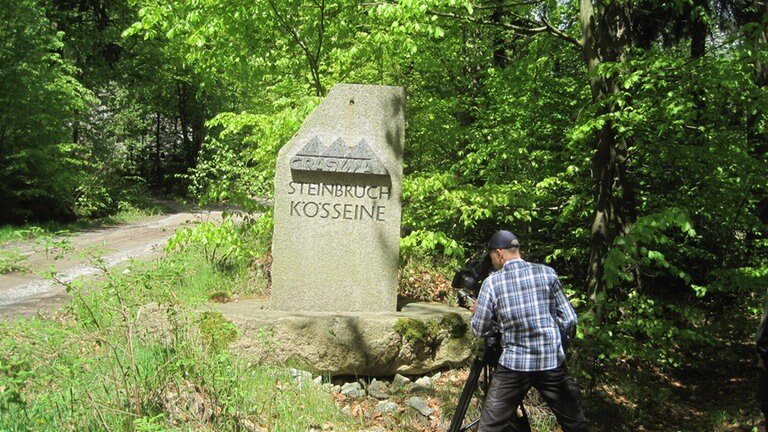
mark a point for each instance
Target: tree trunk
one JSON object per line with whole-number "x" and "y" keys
{"x": 698, "y": 17}
{"x": 198, "y": 132}
{"x": 758, "y": 38}
{"x": 698, "y": 48}
{"x": 76, "y": 129}
{"x": 605, "y": 38}
{"x": 500, "y": 58}
{"x": 158, "y": 149}
{"x": 184, "y": 114}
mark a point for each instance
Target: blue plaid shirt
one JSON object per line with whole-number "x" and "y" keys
{"x": 535, "y": 316}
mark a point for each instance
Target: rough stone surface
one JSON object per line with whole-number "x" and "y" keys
{"x": 337, "y": 206}
{"x": 419, "y": 405}
{"x": 378, "y": 389}
{"x": 365, "y": 344}
{"x": 385, "y": 407}
{"x": 400, "y": 381}
{"x": 352, "y": 390}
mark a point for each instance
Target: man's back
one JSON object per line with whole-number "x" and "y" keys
{"x": 532, "y": 311}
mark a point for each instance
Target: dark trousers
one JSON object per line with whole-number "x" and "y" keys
{"x": 508, "y": 388}
{"x": 762, "y": 391}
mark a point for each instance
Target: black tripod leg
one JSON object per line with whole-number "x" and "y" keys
{"x": 521, "y": 421}
{"x": 466, "y": 396}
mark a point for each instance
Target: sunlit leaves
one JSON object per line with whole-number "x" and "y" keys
{"x": 239, "y": 164}
{"x": 430, "y": 241}
{"x": 631, "y": 251}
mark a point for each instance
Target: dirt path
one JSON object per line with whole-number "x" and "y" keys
{"x": 27, "y": 293}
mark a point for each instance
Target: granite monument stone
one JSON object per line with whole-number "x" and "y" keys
{"x": 338, "y": 187}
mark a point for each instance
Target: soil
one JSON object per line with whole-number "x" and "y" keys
{"x": 32, "y": 290}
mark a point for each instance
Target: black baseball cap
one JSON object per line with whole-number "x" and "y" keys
{"x": 503, "y": 240}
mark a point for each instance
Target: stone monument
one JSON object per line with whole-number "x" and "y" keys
{"x": 335, "y": 248}
{"x": 338, "y": 187}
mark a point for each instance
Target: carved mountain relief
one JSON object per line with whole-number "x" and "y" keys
{"x": 338, "y": 158}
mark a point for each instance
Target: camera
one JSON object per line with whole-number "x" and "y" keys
{"x": 467, "y": 280}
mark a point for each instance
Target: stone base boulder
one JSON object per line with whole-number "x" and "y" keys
{"x": 419, "y": 338}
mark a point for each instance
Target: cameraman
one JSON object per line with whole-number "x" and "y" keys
{"x": 537, "y": 321}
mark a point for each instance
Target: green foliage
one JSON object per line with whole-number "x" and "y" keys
{"x": 419, "y": 242}
{"x": 630, "y": 253}
{"x": 503, "y": 123}
{"x": 14, "y": 372}
{"x": 55, "y": 246}
{"x": 63, "y": 151}
{"x": 217, "y": 332}
{"x": 11, "y": 260}
{"x": 224, "y": 244}
{"x": 39, "y": 95}
{"x": 238, "y": 165}
{"x": 645, "y": 329}
{"x": 51, "y": 238}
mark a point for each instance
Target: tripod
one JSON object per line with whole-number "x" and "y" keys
{"x": 479, "y": 380}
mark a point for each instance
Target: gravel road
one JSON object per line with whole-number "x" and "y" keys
{"x": 28, "y": 293}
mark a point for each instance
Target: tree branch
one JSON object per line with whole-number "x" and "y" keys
{"x": 535, "y": 27}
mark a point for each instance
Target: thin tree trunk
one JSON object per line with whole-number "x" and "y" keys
{"x": 184, "y": 121}
{"x": 158, "y": 150}
{"x": 198, "y": 133}
{"x": 697, "y": 51}
{"x": 500, "y": 58}
{"x": 759, "y": 40}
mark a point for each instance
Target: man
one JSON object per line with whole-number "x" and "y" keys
{"x": 537, "y": 321}
{"x": 761, "y": 342}
{"x": 762, "y": 366}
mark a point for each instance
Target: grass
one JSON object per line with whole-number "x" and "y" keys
{"x": 104, "y": 363}
{"x": 76, "y": 380}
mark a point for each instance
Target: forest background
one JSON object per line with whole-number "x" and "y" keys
{"x": 623, "y": 141}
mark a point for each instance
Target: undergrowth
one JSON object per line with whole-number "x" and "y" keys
{"x": 132, "y": 354}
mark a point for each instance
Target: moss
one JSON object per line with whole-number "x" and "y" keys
{"x": 412, "y": 330}
{"x": 431, "y": 332}
{"x": 456, "y": 326}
